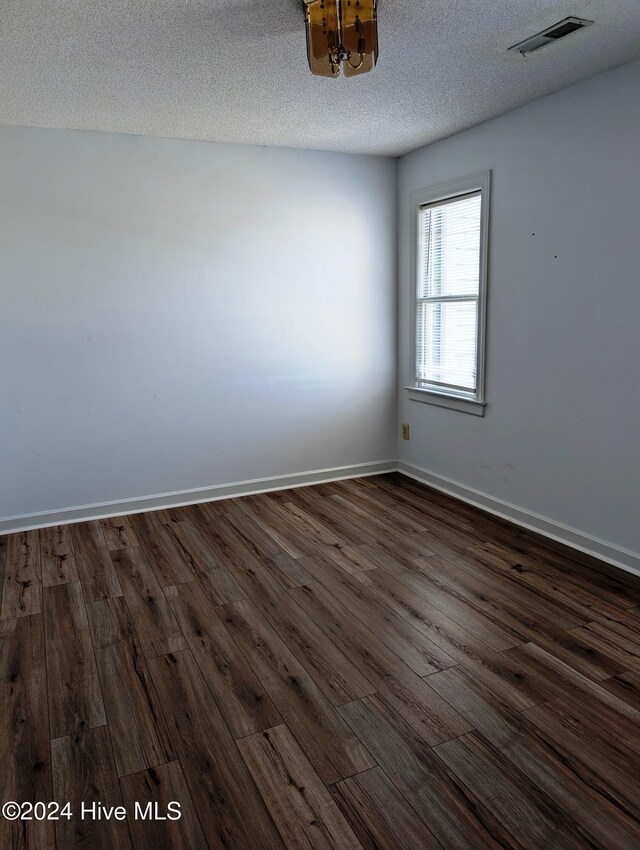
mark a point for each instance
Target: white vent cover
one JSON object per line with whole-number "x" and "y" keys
{"x": 554, "y": 33}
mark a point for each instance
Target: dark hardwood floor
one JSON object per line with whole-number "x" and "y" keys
{"x": 366, "y": 664}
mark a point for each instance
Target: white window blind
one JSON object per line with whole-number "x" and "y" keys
{"x": 448, "y": 292}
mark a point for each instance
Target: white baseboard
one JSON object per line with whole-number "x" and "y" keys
{"x": 179, "y": 498}
{"x": 616, "y": 555}
{"x": 611, "y": 553}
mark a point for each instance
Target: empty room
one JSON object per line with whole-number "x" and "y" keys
{"x": 319, "y": 424}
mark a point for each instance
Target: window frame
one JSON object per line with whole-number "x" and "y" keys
{"x": 468, "y": 402}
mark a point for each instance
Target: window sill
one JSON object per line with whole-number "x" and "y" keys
{"x": 464, "y": 405}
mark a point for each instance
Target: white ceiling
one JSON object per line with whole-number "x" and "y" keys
{"x": 235, "y": 70}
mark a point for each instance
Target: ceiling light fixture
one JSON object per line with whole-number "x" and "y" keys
{"x": 554, "y": 33}
{"x": 341, "y": 33}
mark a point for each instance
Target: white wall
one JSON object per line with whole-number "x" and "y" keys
{"x": 561, "y": 436}
{"x": 176, "y": 315}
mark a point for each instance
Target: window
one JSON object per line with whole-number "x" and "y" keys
{"x": 449, "y": 276}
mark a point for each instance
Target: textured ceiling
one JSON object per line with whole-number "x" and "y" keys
{"x": 235, "y": 70}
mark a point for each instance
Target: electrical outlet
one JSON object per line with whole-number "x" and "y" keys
{"x": 405, "y": 431}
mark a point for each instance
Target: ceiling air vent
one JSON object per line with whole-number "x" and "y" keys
{"x": 560, "y": 30}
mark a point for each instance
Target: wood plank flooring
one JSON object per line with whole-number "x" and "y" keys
{"x": 365, "y": 664}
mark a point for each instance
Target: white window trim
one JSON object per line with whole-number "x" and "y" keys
{"x": 474, "y": 403}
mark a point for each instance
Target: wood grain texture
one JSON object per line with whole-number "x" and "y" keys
{"x": 138, "y": 733}
{"x": 546, "y": 581}
{"x": 269, "y": 514}
{"x": 160, "y": 786}
{"x": 626, "y": 686}
{"x": 232, "y": 812}
{"x": 595, "y": 700}
{"x": 384, "y": 506}
{"x": 84, "y": 774}
{"x": 154, "y": 621}
{"x": 352, "y": 559}
{"x": 22, "y": 584}
{"x": 299, "y": 803}
{"x": 238, "y": 553}
{"x": 476, "y": 572}
{"x": 24, "y": 741}
{"x": 495, "y": 606}
{"x": 621, "y": 644}
{"x": 571, "y": 783}
{"x": 194, "y": 548}
{"x": 167, "y": 563}
{"x": 456, "y": 817}
{"x": 255, "y": 538}
{"x": 329, "y": 744}
{"x": 93, "y": 562}
{"x": 241, "y": 698}
{"x": 75, "y": 698}
{"x": 57, "y": 557}
{"x": 532, "y": 817}
{"x": 501, "y": 673}
{"x": 339, "y": 679}
{"x": 585, "y": 741}
{"x": 309, "y": 532}
{"x": 365, "y": 663}
{"x": 574, "y": 577}
{"x": 327, "y": 512}
{"x": 456, "y": 607}
{"x": 118, "y": 533}
{"x": 286, "y": 570}
{"x": 385, "y": 532}
{"x": 379, "y": 814}
{"x": 209, "y": 570}
{"x": 434, "y": 718}
{"x": 411, "y": 645}
{"x": 3, "y": 560}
